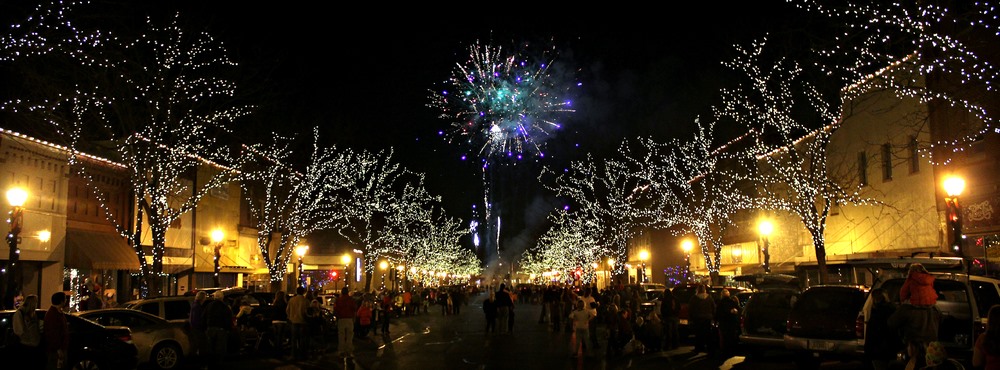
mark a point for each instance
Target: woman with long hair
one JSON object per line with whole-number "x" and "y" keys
{"x": 986, "y": 353}
{"x": 27, "y": 328}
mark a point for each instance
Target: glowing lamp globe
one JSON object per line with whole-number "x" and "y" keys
{"x": 953, "y": 186}
{"x": 217, "y": 236}
{"x": 16, "y": 197}
{"x": 765, "y": 228}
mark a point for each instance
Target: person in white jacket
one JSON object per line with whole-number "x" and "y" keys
{"x": 27, "y": 327}
{"x": 581, "y": 317}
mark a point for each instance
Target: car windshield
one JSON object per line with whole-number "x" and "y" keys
{"x": 845, "y": 301}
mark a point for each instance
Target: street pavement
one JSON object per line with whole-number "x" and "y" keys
{"x": 433, "y": 341}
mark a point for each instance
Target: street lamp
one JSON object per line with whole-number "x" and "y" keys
{"x": 346, "y": 260}
{"x": 217, "y": 237}
{"x": 16, "y": 197}
{"x": 382, "y": 265}
{"x": 765, "y": 228}
{"x": 611, "y": 267}
{"x": 953, "y": 187}
{"x": 398, "y": 280}
{"x": 643, "y": 256}
{"x": 687, "y": 246}
{"x": 301, "y": 252}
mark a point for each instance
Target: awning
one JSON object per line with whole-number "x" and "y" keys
{"x": 96, "y": 250}
{"x": 173, "y": 265}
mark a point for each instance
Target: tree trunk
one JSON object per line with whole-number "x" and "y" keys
{"x": 368, "y": 280}
{"x": 820, "y": 246}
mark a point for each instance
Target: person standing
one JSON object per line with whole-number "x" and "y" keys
{"x": 581, "y": 318}
{"x": 385, "y": 313}
{"x": 727, "y": 314}
{"x": 197, "y": 322}
{"x": 296, "y": 312}
{"x": 27, "y": 328}
{"x": 510, "y": 313}
{"x": 881, "y": 343}
{"x": 701, "y": 311}
{"x": 315, "y": 328}
{"x": 364, "y": 317}
{"x": 56, "y": 332}
{"x": 218, "y": 317}
{"x": 407, "y": 303}
{"x": 917, "y": 318}
{"x": 490, "y": 311}
{"x": 504, "y": 305}
{"x": 986, "y": 352}
{"x": 590, "y": 303}
{"x": 345, "y": 309}
{"x": 670, "y": 314}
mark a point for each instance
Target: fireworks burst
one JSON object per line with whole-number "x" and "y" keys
{"x": 503, "y": 105}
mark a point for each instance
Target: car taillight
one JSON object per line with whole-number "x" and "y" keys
{"x": 127, "y": 338}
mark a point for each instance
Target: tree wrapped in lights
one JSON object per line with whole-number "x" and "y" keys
{"x": 437, "y": 247}
{"x": 386, "y": 201}
{"x": 941, "y": 53}
{"x": 789, "y": 141}
{"x": 564, "y": 247}
{"x": 164, "y": 104}
{"x": 691, "y": 188}
{"x": 601, "y": 196}
{"x": 291, "y": 204}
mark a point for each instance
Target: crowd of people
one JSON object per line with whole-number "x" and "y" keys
{"x": 612, "y": 318}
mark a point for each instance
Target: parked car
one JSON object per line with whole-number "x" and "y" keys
{"x": 172, "y": 308}
{"x": 821, "y": 324}
{"x": 651, "y": 295}
{"x": 764, "y": 319}
{"x": 160, "y": 343}
{"x": 964, "y": 301}
{"x": 91, "y": 345}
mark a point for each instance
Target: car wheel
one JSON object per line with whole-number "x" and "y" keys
{"x": 85, "y": 364}
{"x": 165, "y": 356}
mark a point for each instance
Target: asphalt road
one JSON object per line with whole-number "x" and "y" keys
{"x": 433, "y": 341}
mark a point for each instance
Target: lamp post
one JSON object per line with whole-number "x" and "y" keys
{"x": 383, "y": 265}
{"x": 953, "y": 187}
{"x": 16, "y": 197}
{"x": 765, "y": 228}
{"x": 611, "y": 266}
{"x": 301, "y": 252}
{"x": 346, "y": 259}
{"x": 687, "y": 246}
{"x": 398, "y": 281}
{"x": 643, "y": 256}
{"x": 217, "y": 237}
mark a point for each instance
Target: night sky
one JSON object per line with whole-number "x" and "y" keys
{"x": 363, "y": 75}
